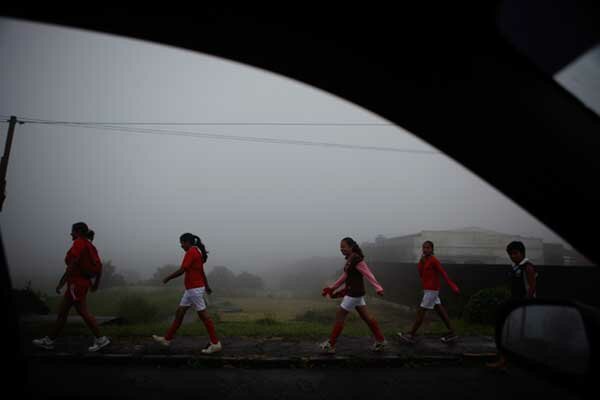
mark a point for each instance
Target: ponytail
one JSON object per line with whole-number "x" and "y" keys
{"x": 195, "y": 241}
{"x": 90, "y": 235}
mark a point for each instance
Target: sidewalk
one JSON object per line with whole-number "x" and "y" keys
{"x": 271, "y": 352}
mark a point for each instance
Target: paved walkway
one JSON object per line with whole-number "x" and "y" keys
{"x": 276, "y": 352}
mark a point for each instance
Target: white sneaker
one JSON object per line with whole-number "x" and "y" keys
{"x": 99, "y": 343}
{"x": 45, "y": 343}
{"x": 407, "y": 337}
{"x": 327, "y": 348}
{"x": 449, "y": 338}
{"x": 161, "y": 340}
{"x": 212, "y": 348}
{"x": 379, "y": 346}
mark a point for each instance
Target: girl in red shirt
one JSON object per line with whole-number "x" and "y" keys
{"x": 196, "y": 285}
{"x": 430, "y": 270}
{"x": 80, "y": 256}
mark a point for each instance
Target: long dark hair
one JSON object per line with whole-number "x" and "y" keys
{"x": 90, "y": 235}
{"x": 195, "y": 241}
{"x": 81, "y": 228}
{"x": 354, "y": 246}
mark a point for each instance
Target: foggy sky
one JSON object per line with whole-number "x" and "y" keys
{"x": 253, "y": 204}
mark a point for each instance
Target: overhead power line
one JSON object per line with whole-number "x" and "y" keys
{"x": 216, "y": 123}
{"x": 132, "y": 130}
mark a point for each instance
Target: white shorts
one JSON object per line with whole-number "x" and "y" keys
{"x": 350, "y": 303}
{"x": 431, "y": 298}
{"x": 194, "y": 297}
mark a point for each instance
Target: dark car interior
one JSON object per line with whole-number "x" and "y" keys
{"x": 475, "y": 81}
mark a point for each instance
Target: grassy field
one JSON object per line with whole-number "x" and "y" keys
{"x": 148, "y": 310}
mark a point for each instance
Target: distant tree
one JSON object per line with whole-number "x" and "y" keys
{"x": 221, "y": 278}
{"x": 307, "y": 277}
{"x": 160, "y": 274}
{"x": 131, "y": 276}
{"x": 109, "y": 276}
{"x": 247, "y": 280}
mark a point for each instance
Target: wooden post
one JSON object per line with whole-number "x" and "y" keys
{"x": 4, "y": 162}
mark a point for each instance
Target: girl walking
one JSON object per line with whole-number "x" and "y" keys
{"x": 83, "y": 267}
{"x": 196, "y": 285}
{"x": 355, "y": 270}
{"x": 430, "y": 270}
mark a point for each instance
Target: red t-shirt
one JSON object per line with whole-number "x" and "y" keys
{"x": 79, "y": 256}
{"x": 430, "y": 270}
{"x": 193, "y": 266}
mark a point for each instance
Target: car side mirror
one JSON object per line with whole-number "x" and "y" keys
{"x": 555, "y": 337}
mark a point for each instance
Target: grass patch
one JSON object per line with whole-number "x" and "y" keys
{"x": 136, "y": 309}
{"x": 292, "y": 318}
{"x": 108, "y": 301}
{"x": 269, "y": 320}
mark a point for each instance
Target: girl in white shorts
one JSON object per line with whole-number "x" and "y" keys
{"x": 196, "y": 285}
{"x": 430, "y": 270}
{"x": 353, "y": 293}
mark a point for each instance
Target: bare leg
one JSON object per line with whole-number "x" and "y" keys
{"x": 61, "y": 319}
{"x": 371, "y": 322}
{"x": 90, "y": 321}
{"x": 418, "y": 321}
{"x": 441, "y": 311}
{"x": 340, "y": 315}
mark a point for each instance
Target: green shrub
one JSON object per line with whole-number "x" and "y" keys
{"x": 483, "y": 306}
{"x": 136, "y": 309}
{"x": 322, "y": 316}
{"x": 269, "y": 319}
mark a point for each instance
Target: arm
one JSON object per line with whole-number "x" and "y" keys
{"x": 530, "y": 281}
{"x": 363, "y": 268}
{"x": 174, "y": 275}
{"x": 449, "y": 281}
{"x": 339, "y": 281}
{"x": 187, "y": 262}
{"x": 97, "y": 281}
{"x": 61, "y": 283}
{"x": 208, "y": 289}
{"x": 330, "y": 289}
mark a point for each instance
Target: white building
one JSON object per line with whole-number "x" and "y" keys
{"x": 461, "y": 246}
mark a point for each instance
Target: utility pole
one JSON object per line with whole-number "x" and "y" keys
{"x": 4, "y": 162}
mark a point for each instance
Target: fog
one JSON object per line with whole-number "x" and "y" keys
{"x": 256, "y": 205}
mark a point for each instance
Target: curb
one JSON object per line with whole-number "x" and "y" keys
{"x": 269, "y": 362}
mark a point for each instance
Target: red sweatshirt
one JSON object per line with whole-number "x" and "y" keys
{"x": 77, "y": 258}
{"x": 430, "y": 270}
